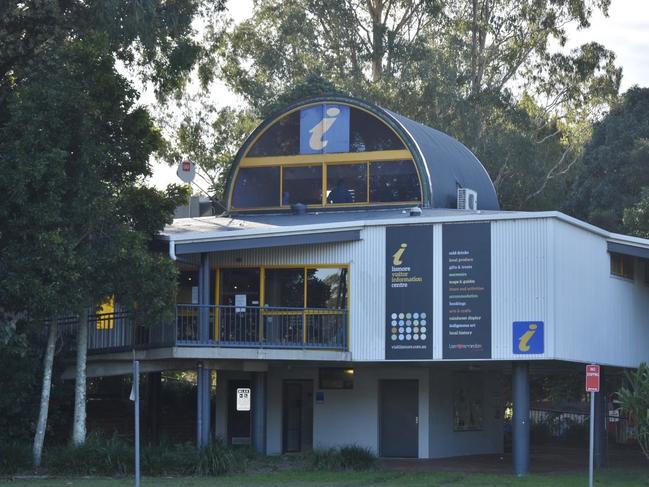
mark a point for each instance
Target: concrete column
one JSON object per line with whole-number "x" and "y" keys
{"x": 204, "y": 299}
{"x": 521, "y": 419}
{"x": 600, "y": 453}
{"x": 259, "y": 402}
{"x": 203, "y": 408}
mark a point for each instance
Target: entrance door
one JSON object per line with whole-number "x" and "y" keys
{"x": 399, "y": 418}
{"x": 297, "y": 429}
{"x": 238, "y": 318}
{"x": 238, "y": 421}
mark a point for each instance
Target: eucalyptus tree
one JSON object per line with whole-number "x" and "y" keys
{"x": 75, "y": 219}
{"x": 485, "y": 71}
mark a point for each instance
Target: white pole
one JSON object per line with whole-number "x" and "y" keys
{"x": 592, "y": 439}
{"x": 136, "y": 393}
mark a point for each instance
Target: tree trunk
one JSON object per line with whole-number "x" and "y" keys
{"x": 48, "y": 362}
{"x": 79, "y": 424}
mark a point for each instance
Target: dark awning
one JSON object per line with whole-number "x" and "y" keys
{"x": 270, "y": 241}
{"x": 625, "y": 249}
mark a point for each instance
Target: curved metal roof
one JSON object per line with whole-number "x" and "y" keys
{"x": 444, "y": 163}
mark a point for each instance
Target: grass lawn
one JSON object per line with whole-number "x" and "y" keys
{"x": 612, "y": 478}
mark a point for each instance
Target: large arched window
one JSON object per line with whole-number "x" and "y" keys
{"x": 326, "y": 155}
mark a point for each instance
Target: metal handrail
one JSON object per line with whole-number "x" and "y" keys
{"x": 229, "y": 326}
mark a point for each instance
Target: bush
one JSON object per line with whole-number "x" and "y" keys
{"x": 218, "y": 459}
{"x": 114, "y": 456}
{"x": 169, "y": 459}
{"x": 97, "y": 456}
{"x": 15, "y": 457}
{"x": 350, "y": 457}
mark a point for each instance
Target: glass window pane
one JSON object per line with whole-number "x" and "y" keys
{"x": 284, "y": 288}
{"x": 256, "y": 187}
{"x": 368, "y": 133}
{"x": 394, "y": 181}
{"x": 302, "y": 184}
{"x": 187, "y": 288}
{"x": 239, "y": 282}
{"x": 327, "y": 288}
{"x": 281, "y": 139}
{"x": 346, "y": 183}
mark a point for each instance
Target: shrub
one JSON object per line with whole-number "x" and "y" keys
{"x": 218, "y": 459}
{"x": 169, "y": 459}
{"x": 97, "y": 456}
{"x": 114, "y": 456}
{"x": 350, "y": 457}
{"x": 633, "y": 397}
{"x": 15, "y": 457}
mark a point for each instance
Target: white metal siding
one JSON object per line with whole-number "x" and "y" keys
{"x": 543, "y": 269}
{"x": 599, "y": 318}
{"x": 366, "y": 260}
{"x": 519, "y": 282}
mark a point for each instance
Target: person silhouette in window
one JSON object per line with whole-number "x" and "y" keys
{"x": 340, "y": 193}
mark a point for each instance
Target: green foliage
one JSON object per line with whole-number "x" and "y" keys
{"x": 169, "y": 459}
{"x": 350, "y": 457}
{"x": 633, "y": 398}
{"x": 15, "y": 457}
{"x": 614, "y": 170}
{"x": 20, "y": 356}
{"x": 218, "y": 459}
{"x": 97, "y": 456}
{"x": 114, "y": 456}
{"x": 636, "y": 217}
{"x": 451, "y": 65}
{"x": 211, "y": 137}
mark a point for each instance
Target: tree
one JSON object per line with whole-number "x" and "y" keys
{"x": 76, "y": 222}
{"x": 481, "y": 70}
{"x": 634, "y": 401}
{"x": 614, "y": 170}
{"x": 211, "y": 138}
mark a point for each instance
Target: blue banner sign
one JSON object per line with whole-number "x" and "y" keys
{"x": 466, "y": 274}
{"x": 409, "y": 292}
{"x": 527, "y": 337}
{"x": 324, "y": 129}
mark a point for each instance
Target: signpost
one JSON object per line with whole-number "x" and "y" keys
{"x": 592, "y": 386}
{"x": 243, "y": 399}
{"x": 135, "y": 397}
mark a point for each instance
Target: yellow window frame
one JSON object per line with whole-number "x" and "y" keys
{"x": 262, "y": 294}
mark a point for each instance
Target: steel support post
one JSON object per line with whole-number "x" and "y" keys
{"x": 259, "y": 411}
{"x": 521, "y": 419}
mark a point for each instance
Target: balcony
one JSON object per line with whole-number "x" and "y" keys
{"x": 227, "y": 326}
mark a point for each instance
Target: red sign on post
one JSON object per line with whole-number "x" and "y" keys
{"x": 592, "y": 378}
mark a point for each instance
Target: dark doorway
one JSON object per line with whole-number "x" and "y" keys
{"x": 238, "y": 421}
{"x": 399, "y": 418}
{"x": 297, "y": 430}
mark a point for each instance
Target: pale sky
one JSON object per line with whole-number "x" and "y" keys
{"x": 625, "y": 31}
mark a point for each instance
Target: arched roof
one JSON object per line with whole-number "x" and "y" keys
{"x": 444, "y": 164}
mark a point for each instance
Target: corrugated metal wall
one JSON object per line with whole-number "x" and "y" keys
{"x": 366, "y": 281}
{"x": 543, "y": 269}
{"x": 599, "y": 317}
{"x": 520, "y": 282}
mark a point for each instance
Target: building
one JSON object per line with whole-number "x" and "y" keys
{"x": 364, "y": 287}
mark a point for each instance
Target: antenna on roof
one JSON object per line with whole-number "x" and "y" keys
{"x": 186, "y": 171}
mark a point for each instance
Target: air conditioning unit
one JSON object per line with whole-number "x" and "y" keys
{"x": 467, "y": 199}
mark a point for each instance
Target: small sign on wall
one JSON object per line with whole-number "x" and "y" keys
{"x": 240, "y": 302}
{"x": 527, "y": 337}
{"x": 243, "y": 399}
{"x": 319, "y": 397}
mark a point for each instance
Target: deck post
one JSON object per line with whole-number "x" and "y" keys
{"x": 259, "y": 411}
{"x": 601, "y": 423}
{"x": 204, "y": 299}
{"x": 203, "y": 406}
{"x": 521, "y": 419}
